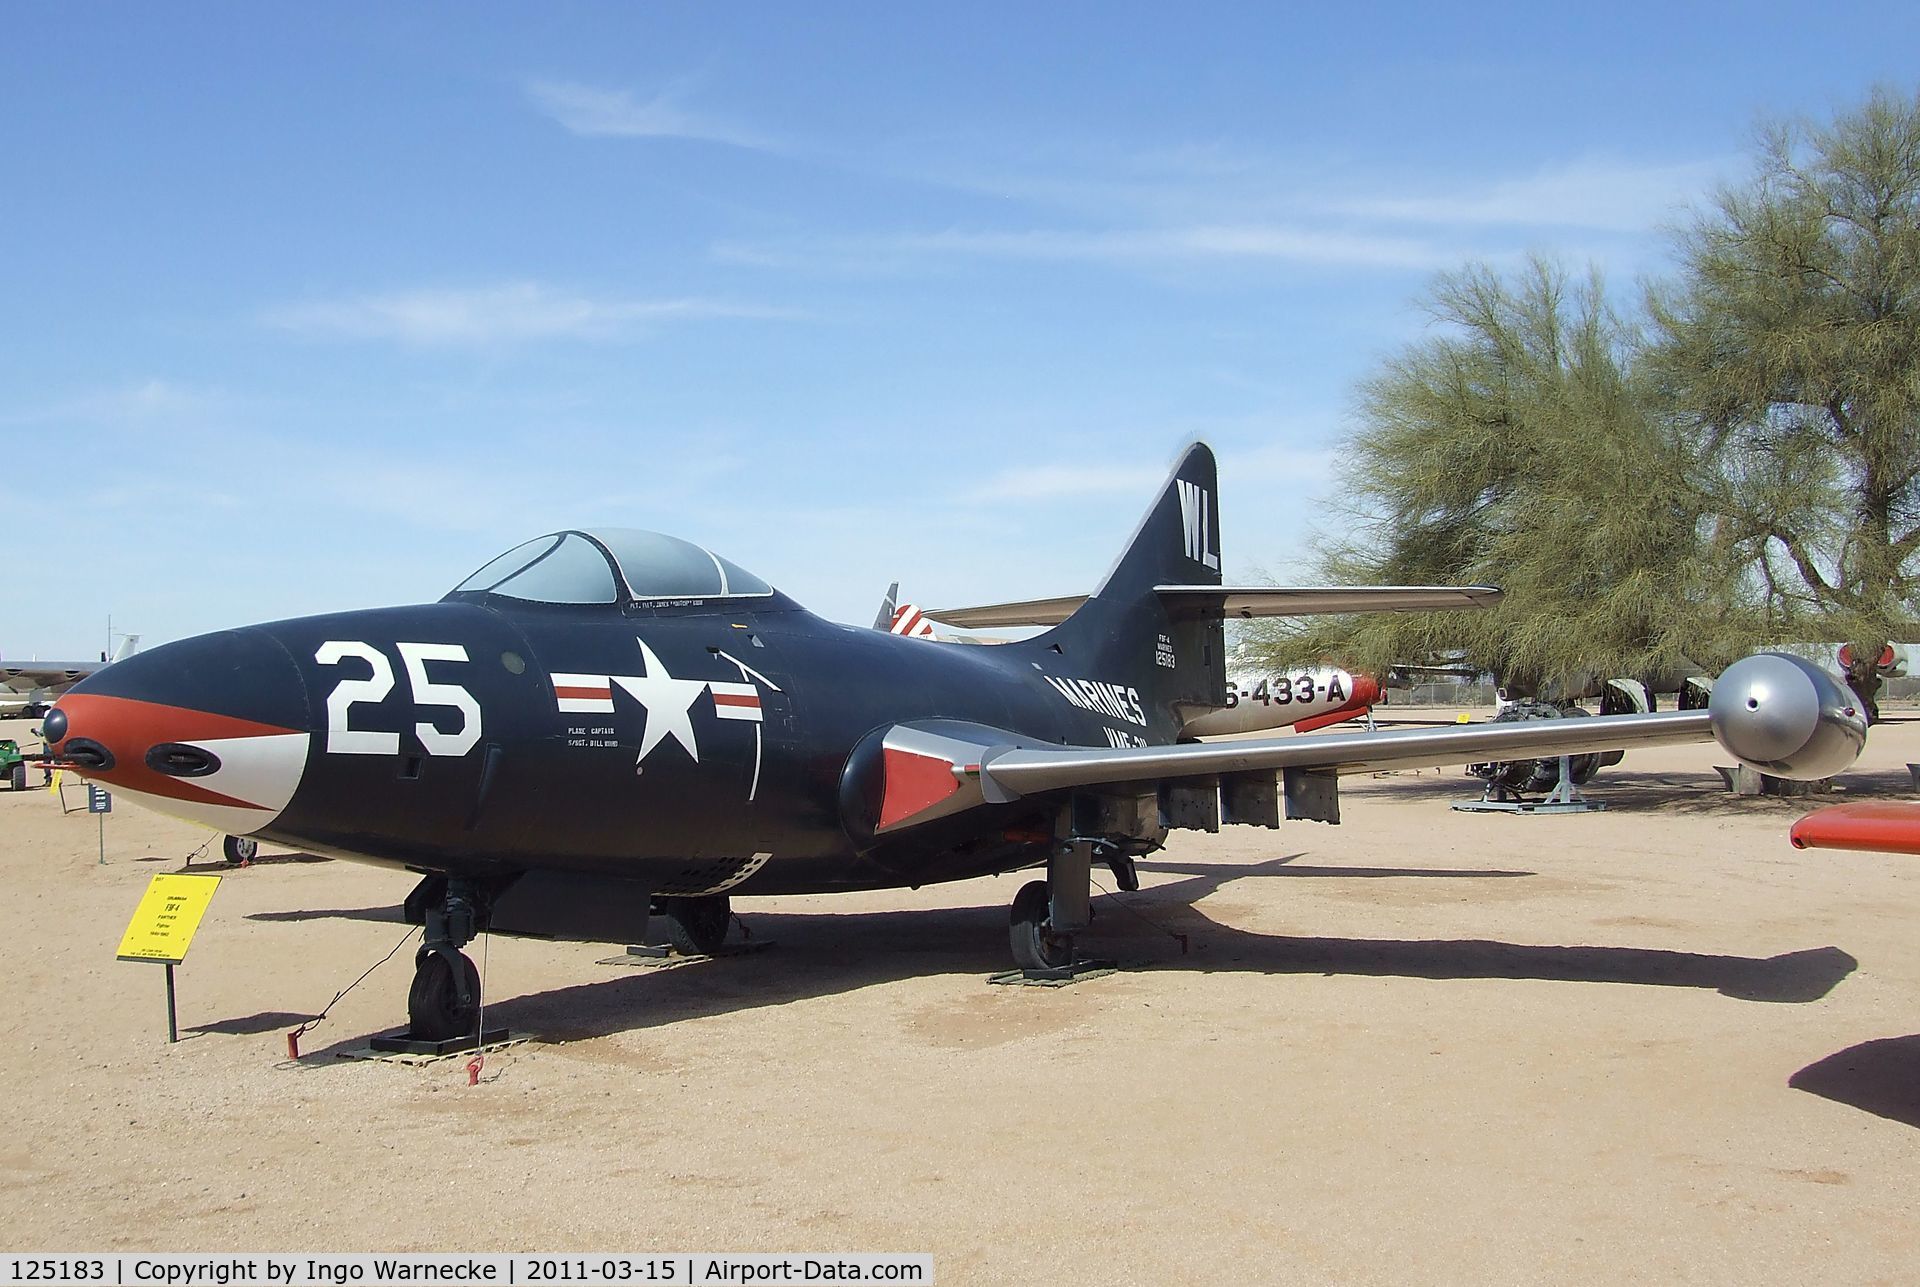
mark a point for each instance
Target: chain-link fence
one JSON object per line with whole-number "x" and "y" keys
{"x": 1455, "y": 693}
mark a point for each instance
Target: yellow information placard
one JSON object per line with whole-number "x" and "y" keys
{"x": 162, "y": 926}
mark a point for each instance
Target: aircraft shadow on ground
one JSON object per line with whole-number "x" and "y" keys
{"x": 221, "y": 867}
{"x": 825, "y": 954}
{"x": 252, "y": 1024}
{"x": 1272, "y": 868}
{"x": 1879, "y": 1077}
{"x": 1680, "y": 794}
{"x": 391, "y": 915}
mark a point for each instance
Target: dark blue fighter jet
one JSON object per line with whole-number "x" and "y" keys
{"x": 602, "y": 724}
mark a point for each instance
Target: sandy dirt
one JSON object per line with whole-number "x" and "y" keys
{"x": 1652, "y": 1044}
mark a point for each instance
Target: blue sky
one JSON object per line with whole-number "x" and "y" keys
{"x": 318, "y": 307}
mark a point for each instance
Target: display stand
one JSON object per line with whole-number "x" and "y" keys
{"x": 1564, "y": 798}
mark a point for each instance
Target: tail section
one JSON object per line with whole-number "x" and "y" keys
{"x": 884, "y": 619}
{"x": 1172, "y": 650}
{"x": 129, "y": 645}
{"x": 908, "y": 620}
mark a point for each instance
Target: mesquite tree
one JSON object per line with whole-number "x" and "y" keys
{"x": 1789, "y": 350}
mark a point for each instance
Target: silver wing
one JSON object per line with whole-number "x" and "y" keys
{"x": 1779, "y": 714}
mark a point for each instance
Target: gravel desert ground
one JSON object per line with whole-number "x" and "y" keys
{"x": 1650, "y": 1044}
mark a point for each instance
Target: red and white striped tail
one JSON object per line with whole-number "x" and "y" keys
{"x": 908, "y": 620}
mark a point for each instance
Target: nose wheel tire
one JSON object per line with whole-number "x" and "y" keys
{"x": 1034, "y": 947}
{"x": 239, "y": 849}
{"x": 697, "y": 926}
{"x": 444, "y": 1001}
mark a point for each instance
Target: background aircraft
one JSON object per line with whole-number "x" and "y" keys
{"x": 1302, "y": 700}
{"x": 31, "y": 685}
{"x": 597, "y": 723}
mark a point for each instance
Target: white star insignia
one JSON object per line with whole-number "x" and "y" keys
{"x": 669, "y": 703}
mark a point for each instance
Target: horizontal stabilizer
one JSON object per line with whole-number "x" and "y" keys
{"x": 1241, "y": 601}
{"x": 1327, "y": 600}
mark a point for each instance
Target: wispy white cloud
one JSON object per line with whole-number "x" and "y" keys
{"x": 511, "y": 313}
{"x": 1199, "y": 243}
{"x": 594, "y": 112}
{"x": 1055, "y": 482}
{"x": 1604, "y": 195}
{"x": 1293, "y": 244}
{"x": 1216, "y": 185}
{"x": 1195, "y": 206}
{"x": 147, "y": 402}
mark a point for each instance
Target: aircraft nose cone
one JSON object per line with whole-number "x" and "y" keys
{"x": 213, "y": 729}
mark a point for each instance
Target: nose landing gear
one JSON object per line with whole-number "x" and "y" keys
{"x": 444, "y": 1002}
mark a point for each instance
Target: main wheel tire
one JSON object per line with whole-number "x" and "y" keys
{"x": 19, "y": 776}
{"x": 697, "y": 926}
{"x": 1033, "y": 947}
{"x": 1537, "y": 777}
{"x": 434, "y": 1011}
{"x": 239, "y": 849}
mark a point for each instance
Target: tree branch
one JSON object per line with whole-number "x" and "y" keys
{"x": 1809, "y": 571}
{"x": 1837, "y": 409}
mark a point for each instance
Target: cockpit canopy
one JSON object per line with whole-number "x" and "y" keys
{"x": 612, "y": 565}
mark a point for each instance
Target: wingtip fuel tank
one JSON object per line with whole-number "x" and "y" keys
{"x": 1785, "y": 716}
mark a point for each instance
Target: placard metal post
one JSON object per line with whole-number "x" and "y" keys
{"x": 162, "y": 928}
{"x": 100, "y": 804}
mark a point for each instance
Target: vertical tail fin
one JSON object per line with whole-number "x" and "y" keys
{"x": 883, "y": 620}
{"x": 1126, "y": 634}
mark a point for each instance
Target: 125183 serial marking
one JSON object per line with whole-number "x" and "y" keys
{"x": 61, "y": 1270}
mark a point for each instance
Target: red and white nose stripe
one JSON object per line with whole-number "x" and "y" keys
{"x": 233, "y": 775}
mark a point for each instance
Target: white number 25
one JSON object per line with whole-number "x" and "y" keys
{"x": 344, "y": 739}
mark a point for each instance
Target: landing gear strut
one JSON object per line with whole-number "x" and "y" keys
{"x": 444, "y": 1001}
{"x": 1048, "y": 913}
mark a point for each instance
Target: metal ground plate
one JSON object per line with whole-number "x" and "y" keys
{"x": 1059, "y": 978}
{"x": 397, "y": 1047}
{"x": 653, "y": 957}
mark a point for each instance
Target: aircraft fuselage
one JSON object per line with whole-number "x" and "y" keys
{"x": 681, "y": 748}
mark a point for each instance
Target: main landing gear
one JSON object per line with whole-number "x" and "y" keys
{"x": 444, "y": 1002}
{"x": 1048, "y": 914}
